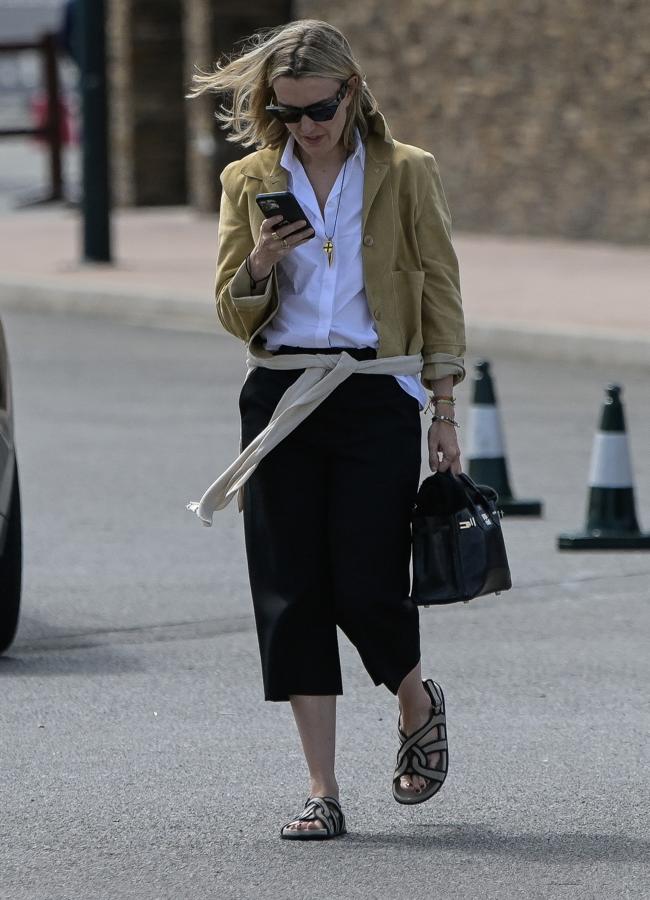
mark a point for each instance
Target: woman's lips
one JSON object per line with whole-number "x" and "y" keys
{"x": 312, "y": 140}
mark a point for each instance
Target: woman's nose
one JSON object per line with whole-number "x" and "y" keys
{"x": 306, "y": 125}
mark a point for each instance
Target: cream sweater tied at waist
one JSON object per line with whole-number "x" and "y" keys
{"x": 323, "y": 373}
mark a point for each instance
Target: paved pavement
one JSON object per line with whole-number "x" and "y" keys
{"x": 138, "y": 758}
{"x": 552, "y": 299}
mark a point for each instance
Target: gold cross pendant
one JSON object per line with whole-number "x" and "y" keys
{"x": 328, "y": 247}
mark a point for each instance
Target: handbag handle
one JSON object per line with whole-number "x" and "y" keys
{"x": 483, "y": 492}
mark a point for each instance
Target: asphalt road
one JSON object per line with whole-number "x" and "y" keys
{"x": 138, "y": 759}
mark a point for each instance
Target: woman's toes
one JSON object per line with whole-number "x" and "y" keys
{"x": 414, "y": 783}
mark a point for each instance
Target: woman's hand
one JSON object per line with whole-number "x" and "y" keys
{"x": 443, "y": 441}
{"x": 273, "y": 244}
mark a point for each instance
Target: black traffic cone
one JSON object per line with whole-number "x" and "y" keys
{"x": 611, "y": 516}
{"x": 486, "y": 446}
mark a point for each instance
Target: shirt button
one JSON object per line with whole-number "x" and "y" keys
{"x": 368, "y": 240}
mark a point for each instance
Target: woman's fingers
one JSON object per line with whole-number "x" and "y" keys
{"x": 271, "y": 231}
{"x": 293, "y": 234}
{"x": 444, "y": 452}
{"x": 292, "y": 229}
{"x": 274, "y": 243}
{"x": 277, "y": 242}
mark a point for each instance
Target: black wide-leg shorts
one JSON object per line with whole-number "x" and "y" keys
{"x": 327, "y": 527}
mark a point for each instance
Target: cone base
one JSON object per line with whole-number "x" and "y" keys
{"x": 512, "y": 507}
{"x": 594, "y": 540}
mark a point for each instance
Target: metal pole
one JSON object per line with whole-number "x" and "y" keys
{"x": 94, "y": 104}
{"x": 51, "y": 73}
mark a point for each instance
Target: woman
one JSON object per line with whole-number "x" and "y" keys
{"x": 347, "y": 320}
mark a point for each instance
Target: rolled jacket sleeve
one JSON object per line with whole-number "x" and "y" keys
{"x": 443, "y": 327}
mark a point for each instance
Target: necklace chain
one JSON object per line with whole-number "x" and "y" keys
{"x": 328, "y": 246}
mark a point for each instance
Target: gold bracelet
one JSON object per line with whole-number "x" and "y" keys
{"x": 451, "y": 421}
{"x": 433, "y": 400}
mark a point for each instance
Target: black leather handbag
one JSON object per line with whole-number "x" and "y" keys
{"x": 458, "y": 547}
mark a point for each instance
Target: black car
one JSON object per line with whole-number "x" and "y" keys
{"x": 10, "y": 523}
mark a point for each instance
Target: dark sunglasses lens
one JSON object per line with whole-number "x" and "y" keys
{"x": 319, "y": 112}
{"x": 284, "y": 115}
{"x": 322, "y": 113}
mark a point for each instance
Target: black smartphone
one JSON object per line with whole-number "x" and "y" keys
{"x": 282, "y": 203}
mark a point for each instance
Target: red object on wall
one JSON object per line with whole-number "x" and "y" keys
{"x": 39, "y": 113}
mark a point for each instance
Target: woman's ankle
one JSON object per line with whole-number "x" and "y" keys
{"x": 415, "y": 712}
{"x": 323, "y": 787}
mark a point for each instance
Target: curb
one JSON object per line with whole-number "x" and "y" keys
{"x": 190, "y": 313}
{"x": 568, "y": 344}
{"x": 146, "y": 307}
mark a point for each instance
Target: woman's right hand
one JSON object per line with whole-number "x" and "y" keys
{"x": 270, "y": 249}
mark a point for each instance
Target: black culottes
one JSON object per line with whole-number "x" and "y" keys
{"x": 327, "y": 527}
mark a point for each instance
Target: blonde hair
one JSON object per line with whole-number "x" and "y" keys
{"x": 302, "y": 48}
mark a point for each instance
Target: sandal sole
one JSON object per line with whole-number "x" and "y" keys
{"x": 313, "y": 836}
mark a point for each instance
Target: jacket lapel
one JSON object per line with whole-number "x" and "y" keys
{"x": 373, "y": 179}
{"x": 265, "y": 167}
{"x": 379, "y": 148}
{"x": 276, "y": 179}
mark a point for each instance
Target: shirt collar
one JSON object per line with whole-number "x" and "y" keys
{"x": 290, "y": 161}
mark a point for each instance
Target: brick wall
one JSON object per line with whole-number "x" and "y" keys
{"x": 538, "y": 111}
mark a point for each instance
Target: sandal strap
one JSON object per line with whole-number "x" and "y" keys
{"x": 414, "y": 750}
{"x": 325, "y": 810}
{"x": 435, "y": 692}
{"x": 418, "y": 736}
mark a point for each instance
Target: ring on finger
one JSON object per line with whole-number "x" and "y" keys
{"x": 284, "y": 243}
{"x": 275, "y": 235}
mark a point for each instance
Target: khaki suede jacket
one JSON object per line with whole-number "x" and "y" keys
{"x": 410, "y": 268}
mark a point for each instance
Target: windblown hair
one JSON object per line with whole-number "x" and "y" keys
{"x": 302, "y": 48}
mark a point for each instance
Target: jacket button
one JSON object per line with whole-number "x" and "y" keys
{"x": 377, "y": 314}
{"x": 368, "y": 240}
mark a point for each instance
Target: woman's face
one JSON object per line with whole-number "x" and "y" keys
{"x": 318, "y": 139}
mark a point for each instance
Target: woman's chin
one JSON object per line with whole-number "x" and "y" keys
{"x": 314, "y": 145}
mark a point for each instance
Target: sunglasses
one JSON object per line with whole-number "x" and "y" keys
{"x": 322, "y": 111}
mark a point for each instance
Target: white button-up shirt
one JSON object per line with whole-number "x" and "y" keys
{"x": 323, "y": 305}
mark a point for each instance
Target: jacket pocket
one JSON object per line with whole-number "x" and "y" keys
{"x": 407, "y": 294}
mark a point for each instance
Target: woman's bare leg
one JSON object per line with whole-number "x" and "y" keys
{"x": 415, "y": 709}
{"x": 316, "y": 721}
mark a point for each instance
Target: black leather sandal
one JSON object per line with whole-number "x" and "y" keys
{"x": 325, "y": 810}
{"x": 415, "y": 749}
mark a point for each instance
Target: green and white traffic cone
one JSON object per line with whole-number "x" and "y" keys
{"x": 486, "y": 446}
{"x": 611, "y": 516}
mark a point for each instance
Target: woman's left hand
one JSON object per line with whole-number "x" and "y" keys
{"x": 443, "y": 441}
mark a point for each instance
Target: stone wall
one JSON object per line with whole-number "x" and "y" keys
{"x": 538, "y": 111}
{"x": 148, "y": 134}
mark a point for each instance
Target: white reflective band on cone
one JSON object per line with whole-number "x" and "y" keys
{"x": 485, "y": 438}
{"x": 611, "y": 466}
